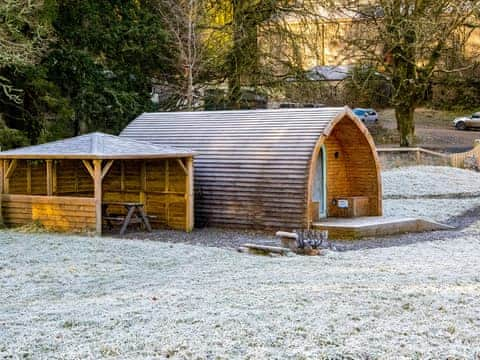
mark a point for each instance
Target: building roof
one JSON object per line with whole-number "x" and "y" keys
{"x": 329, "y": 73}
{"x": 257, "y": 158}
{"x": 96, "y": 146}
{"x": 191, "y": 129}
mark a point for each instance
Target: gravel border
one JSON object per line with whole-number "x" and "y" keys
{"x": 231, "y": 239}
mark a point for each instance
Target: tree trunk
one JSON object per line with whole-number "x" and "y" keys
{"x": 406, "y": 124}
{"x": 243, "y": 58}
{"x": 190, "y": 55}
{"x": 235, "y": 56}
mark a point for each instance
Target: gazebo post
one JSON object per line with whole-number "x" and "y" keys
{"x": 97, "y": 180}
{"x": 49, "y": 177}
{"x": 190, "y": 221}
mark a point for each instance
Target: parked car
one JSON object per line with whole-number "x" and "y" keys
{"x": 366, "y": 115}
{"x": 467, "y": 122}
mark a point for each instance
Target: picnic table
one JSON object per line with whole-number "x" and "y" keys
{"x": 135, "y": 215}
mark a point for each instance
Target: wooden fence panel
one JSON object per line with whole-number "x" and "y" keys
{"x": 54, "y": 213}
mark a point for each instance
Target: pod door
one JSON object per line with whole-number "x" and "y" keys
{"x": 319, "y": 195}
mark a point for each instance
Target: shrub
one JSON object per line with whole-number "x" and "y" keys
{"x": 11, "y": 138}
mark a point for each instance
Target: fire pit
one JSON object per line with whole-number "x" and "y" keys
{"x": 306, "y": 242}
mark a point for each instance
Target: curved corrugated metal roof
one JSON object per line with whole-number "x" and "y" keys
{"x": 252, "y": 166}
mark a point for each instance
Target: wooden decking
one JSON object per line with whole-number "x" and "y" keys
{"x": 355, "y": 228}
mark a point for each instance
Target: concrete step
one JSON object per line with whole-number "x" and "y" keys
{"x": 373, "y": 226}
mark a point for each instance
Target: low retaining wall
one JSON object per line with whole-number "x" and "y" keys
{"x": 399, "y": 157}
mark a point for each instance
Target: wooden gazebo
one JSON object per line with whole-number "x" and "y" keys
{"x": 63, "y": 184}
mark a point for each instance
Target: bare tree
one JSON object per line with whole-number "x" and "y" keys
{"x": 405, "y": 41}
{"x": 234, "y": 43}
{"x": 268, "y": 40}
{"x": 194, "y": 42}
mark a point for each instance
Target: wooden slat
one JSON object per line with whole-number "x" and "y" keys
{"x": 48, "y": 200}
{"x": 70, "y": 213}
{"x": 143, "y": 183}
{"x": 50, "y": 219}
{"x": 54, "y": 178}
{"x": 122, "y": 175}
{"x": 29, "y": 177}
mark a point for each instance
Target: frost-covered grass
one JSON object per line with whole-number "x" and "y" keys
{"x": 79, "y": 297}
{"x": 436, "y": 209}
{"x": 459, "y": 189}
{"x": 429, "y": 180}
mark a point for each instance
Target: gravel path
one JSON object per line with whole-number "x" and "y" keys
{"x": 78, "y": 297}
{"x": 213, "y": 237}
{"x": 409, "y": 192}
{"x": 461, "y": 214}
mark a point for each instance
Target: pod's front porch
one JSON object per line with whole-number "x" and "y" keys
{"x": 372, "y": 226}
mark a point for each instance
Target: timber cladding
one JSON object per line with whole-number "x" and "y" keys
{"x": 56, "y": 213}
{"x": 352, "y": 171}
{"x": 254, "y": 168}
{"x": 71, "y": 177}
{"x": 29, "y": 177}
{"x": 161, "y": 185}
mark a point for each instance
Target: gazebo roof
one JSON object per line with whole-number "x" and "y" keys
{"x": 96, "y": 146}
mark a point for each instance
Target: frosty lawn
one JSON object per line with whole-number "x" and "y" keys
{"x": 424, "y": 181}
{"x": 415, "y": 191}
{"x": 79, "y": 297}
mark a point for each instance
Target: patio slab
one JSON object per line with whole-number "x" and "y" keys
{"x": 372, "y": 226}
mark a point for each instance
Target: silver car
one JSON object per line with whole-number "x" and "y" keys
{"x": 467, "y": 122}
